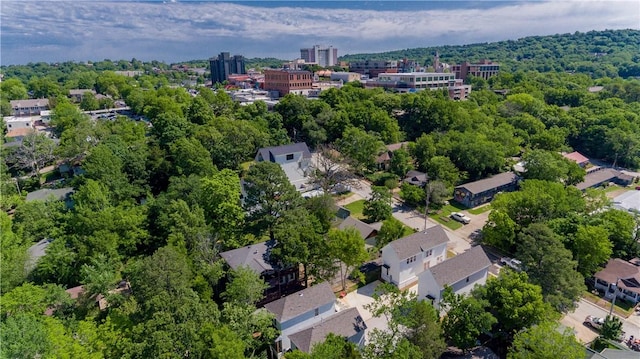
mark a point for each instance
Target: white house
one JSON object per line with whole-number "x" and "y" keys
{"x": 404, "y": 259}
{"x": 295, "y": 160}
{"x": 308, "y": 316}
{"x": 461, "y": 273}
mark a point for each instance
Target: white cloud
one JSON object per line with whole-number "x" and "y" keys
{"x": 85, "y": 30}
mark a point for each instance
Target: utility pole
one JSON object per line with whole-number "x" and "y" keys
{"x": 615, "y": 294}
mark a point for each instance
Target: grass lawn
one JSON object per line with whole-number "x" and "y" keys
{"x": 621, "y": 308}
{"x": 479, "y": 210}
{"x": 442, "y": 217}
{"x": 356, "y": 209}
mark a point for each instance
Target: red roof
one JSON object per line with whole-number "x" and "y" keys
{"x": 576, "y": 156}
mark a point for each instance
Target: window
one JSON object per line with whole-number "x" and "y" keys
{"x": 467, "y": 279}
{"x": 317, "y": 312}
{"x": 428, "y": 253}
{"x": 411, "y": 259}
{"x": 290, "y": 157}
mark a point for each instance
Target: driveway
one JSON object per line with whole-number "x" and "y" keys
{"x": 575, "y": 320}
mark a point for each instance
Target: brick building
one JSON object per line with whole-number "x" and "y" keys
{"x": 288, "y": 81}
{"x": 483, "y": 69}
{"x": 373, "y": 68}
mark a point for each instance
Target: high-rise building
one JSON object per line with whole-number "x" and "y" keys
{"x": 225, "y": 65}
{"x": 323, "y": 56}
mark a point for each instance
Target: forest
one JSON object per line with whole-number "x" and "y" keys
{"x": 158, "y": 199}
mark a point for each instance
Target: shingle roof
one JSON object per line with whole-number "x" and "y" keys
{"x": 364, "y": 229}
{"x": 346, "y": 323}
{"x": 416, "y": 178}
{"x": 576, "y": 156}
{"x": 421, "y": 241}
{"x": 254, "y": 256}
{"x": 618, "y": 268}
{"x": 301, "y": 302}
{"x": 44, "y": 194}
{"x": 396, "y": 146}
{"x": 269, "y": 153}
{"x": 490, "y": 183}
{"x": 38, "y": 102}
{"x": 597, "y": 177}
{"x": 461, "y": 266}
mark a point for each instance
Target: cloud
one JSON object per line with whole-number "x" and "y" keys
{"x": 175, "y": 31}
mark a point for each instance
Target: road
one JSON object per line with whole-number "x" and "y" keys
{"x": 585, "y": 334}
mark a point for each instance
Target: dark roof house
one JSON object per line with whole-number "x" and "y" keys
{"x": 416, "y": 178}
{"x": 365, "y": 230}
{"x": 475, "y": 193}
{"x": 293, "y": 305}
{"x": 347, "y": 323}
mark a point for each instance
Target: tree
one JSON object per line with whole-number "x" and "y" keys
{"x": 13, "y": 89}
{"x": 401, "y": 163}
{"x": 551, "y": 166}
{"x": 378, "y": 206}
{"x": 347, "y": 246}
{"x": 35, "y": 151}
{"x": 391, "y": 230}
{"x": 190, "y": 157}
{"x": 621, "y": 227}
{"x": 334, "y": 347}
{"x": 222, "y": 343}
{"x": 441, "y": 168}
{"x": 545, "y": 341}
{"x": 268, "y": 195}
{"x": 220, "y": 199}
{"x": 466, "y": 319}
{"x": 245, "y": 287}
{"x": 549, "y": 264}
{"x": 13, "y": 257}
{"x": 412, "y": 195}
{"x": 360, "y": 147}
{"x": 611, "y": 328}
{"x": 591, "y": 248}
{"x": 330, "y": 171}
{"x": 514, "y": 302}
{"x": 89, "y": 102}
{"x": 499, "y": 231}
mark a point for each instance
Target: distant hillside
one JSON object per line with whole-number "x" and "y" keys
{"x": 606, "y": 53}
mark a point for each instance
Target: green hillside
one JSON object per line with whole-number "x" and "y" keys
{"x": 607, "y": 53}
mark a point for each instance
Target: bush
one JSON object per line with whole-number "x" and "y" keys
{"x": 381, "y": 178}
{"x": 391, "y": 183}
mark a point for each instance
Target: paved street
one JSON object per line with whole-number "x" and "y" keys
{"x": 575, "y": 320}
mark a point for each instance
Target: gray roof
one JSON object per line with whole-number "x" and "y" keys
{"x": 346, "y": 323}
{"x": 29, "y": 103}
{"x": 486, "y": 184}
{"x": 269, "y": 153}
{"x": 461, "y": 266}
{"x": 609, "y": 353}
{"x": 421, "y": 241}
{"x": 44, "y": 194}
{"x": 597, "y": 177}
{"x": 301, "y": 302}
{"x": 253, "y": 256}
{"x": 416, "y": 178}
{"x": 364, "y": 229}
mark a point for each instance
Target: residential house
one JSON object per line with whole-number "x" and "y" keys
{"x": 58, "y": 194}
{"x": 367, "y": 232}
{"x": 577, "y": 157}
{"x": 29, "y": 107}
{"x": 601, "y": 175}
{"x": 461, "y": 273}
{"x": 76, "y": 95}
{"x": 308, "y": 316}
{"x": 280, "y": 281}
{"x": 405, "y": 258}
{"x": 15, "y": 123}
{"x": 473, "y": 194}
{"x": 384, "y": 160}
{"x": 620, "y": 274}
{"x": 416, "y": 178}
{"x": 295, "y": 160}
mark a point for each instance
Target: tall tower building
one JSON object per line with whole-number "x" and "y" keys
{"x": 323, "y": 56}
{"x": 225, "y": 65}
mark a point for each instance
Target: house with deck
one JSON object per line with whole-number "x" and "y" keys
{"x": 462, "y": 273}
{"x": 404, "y": 259}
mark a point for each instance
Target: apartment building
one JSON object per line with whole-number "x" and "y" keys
{"x": 225, "y": 65}
{"x": 323, "y": 56}
{"x": 373, "y": 68}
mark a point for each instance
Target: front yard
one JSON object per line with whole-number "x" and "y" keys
{"x": 442, "y": 216}
{"x": 356, "y": 209}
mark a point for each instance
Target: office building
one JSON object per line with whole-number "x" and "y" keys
{"x": 225, "y": 65}
{"x": 484, "y": 69}
{"x": 373, "y": 68}
{"x": 323, "y": 56}
{"x": 288, "y": 81}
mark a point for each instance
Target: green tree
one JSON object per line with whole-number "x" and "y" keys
{"x": 89, "y": 102}
{"x": 13, "y": 89}
{"x": 334, "y": 347}
{"x": 401, "y": 163}
{"x": 412, "y": 195}
{"x": 611, "y": 328}
{"x": 378, "y": 206}
{"x": 13, "y": 257}
{"x": 550, "y": 265}
{"x": 35, "y": 152}
{"x": 245, "y": 287}
{"x": 190, "y": 157}
{"x": 220, "y": 199}
{"x": 551, "y": 166}
{"x": 466, "y": 319}
{"x": 360, "y": 147}
{"x": 222, "y": 343}
{"x": 347, "y": 246}
{"x": 545, "y": 341}
{"x": 391, "y": 230}
{"x": 268, "y": 195}
{"x": 591, "y": 248}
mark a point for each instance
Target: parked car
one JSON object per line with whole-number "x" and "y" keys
{"x": 461, "y": 217}
{"x": 511, "y": 262}
{"x": 596, "y": 323}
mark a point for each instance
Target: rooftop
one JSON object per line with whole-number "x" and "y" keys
{"x": 269, "y": 153}
{"x": 461, "y": 266}
{"x": 489, "y": 183}
{"x": 346, "y": 323}
{"x": 420, "y": 241}
{"x": 628, "y": 273}
{"x": 254, "y": 256}
{"x": 576, "y": 156}
{"x": 301, "y": 302}
{"x": 597, "y": 177}
{"x": 45, "y": 193}
{"x": 364, "y": 229}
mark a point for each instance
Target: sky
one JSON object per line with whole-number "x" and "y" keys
{"x": 182, "y": 30}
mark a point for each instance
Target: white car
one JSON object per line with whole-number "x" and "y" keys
{"x": 460, "y": 217}
{"x": 511, "y": 262}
